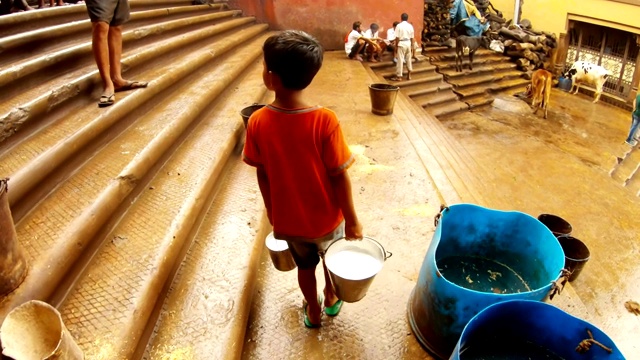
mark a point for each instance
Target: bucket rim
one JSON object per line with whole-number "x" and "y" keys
{"x": 386, "y": 87}
{"x": 540, "y": 304}
{"x": 575, "y": 239}
{"x": 385, "y": 254}
{"x": 438, "y": 232}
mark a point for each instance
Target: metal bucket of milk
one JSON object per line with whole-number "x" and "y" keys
{"x": 353, "y": 265}
{"x": 279, "y": 253}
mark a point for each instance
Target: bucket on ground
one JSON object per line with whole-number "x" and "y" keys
{"x": 522, "y": 329}
{"x": 478, "y": 257}
{"x": 352, "y": 266}
{"x": 246, "y": 112}
{"x": 280, "y": 254}
{"x": 556, "y": 224}
{"x": 383, "y": 98}
{"x": 34, "y": 331}
{"x": 564, "y": 83}
{"x": 576, "y": 255}
{"x": 13, "y": 266}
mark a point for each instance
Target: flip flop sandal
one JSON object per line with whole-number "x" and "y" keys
{"x": 308, "y": 322}
{"x": 107, "y": 100}
{"x": 395, "y": 78}
{"x": 132, "y": 85}
{"x": 334, "y": 309}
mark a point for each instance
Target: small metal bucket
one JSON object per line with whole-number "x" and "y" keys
{"x": 34, "y": 330}
{"x": 352, "y": 266}
{"x": 246, "y": 112}
{"x": 279, "y": 253}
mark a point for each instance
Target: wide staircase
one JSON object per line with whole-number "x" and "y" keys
{"x": 109, "y": 202}
{"x": 440, "y": 90}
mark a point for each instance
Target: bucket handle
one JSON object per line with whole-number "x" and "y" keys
{"x": 436, "y": 219}
{"x": 558, "y": 285}
{"x": 387, "y": 254}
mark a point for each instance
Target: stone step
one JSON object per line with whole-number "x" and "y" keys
{"x": 390, "y": 64}
{"x": 449, "y": 64}
{"x": 26, "y": 46}
{"x": 46, "y": 101}
{"x": 450, "y": 73}
{"x": 484, "y": 78}
{"x": 421, "y": 90}
{"x": 423, "y": 68}
{"x": 433, "y": 99}
{"x": 504, "y": 85}
{"x": 66, "y": 232}
{"x": 451, "y": 55}
{"x": 428, "y": 80}
{"x": 213, "y": 290}
{"x": 448, "y": 109}
{"x": 36, "y": 72}
{"x": 624, "y": 168}
{"x": 110, "y": 304}
{"x": 478, "y": 100}
{"x": 34, "y": 20}
{"x": 424, "y": 87}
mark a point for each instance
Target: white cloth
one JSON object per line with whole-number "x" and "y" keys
{"x": 391, "y": 34}
{"x": 404, "y": 30}
{"x": 351, "y": 40}
{"x": 369, "y": 35}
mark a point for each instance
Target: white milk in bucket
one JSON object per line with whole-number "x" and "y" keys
{"x": 352, "y": 266}
{"x": 279, "y": 253}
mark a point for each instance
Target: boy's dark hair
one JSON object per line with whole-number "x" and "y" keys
{"x": 395, "y": 23}
{"x": 294, "y": 56}
{"x": 404, "y": 17}
{"x": 374, "y": 27}
{"x": 356, "y": 25}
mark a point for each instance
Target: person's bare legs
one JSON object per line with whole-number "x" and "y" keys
{"x": 115, "y": 55}
{"x": 307, "y": 283}
{"x": 330, "y": 297}
{"x": 100, "y": 47}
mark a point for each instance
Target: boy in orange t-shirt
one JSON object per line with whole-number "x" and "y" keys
{"x": 302, "y": 160}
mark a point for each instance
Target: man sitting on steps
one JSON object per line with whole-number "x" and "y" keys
{"x": 107, "y": 17}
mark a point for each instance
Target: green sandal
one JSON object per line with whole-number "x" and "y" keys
{"x": 334, "y": 309}
{"x": 308, "y": 322}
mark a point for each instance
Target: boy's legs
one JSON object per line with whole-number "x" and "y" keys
{"x": 308, "y": 286}
{"x": 306, "y": 258}
{"x": 635, "y": 124}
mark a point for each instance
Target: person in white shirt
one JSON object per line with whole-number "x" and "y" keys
{"x": 354, "y": 43}
{"x": 390, "y": 40}
{"x": 404, "y": 47}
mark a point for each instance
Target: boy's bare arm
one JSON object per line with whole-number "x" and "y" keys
{"x": 263, "y": 183}
{"x": 342, "y": 187}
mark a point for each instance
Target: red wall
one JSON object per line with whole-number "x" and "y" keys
{"x": 330, "y": 20}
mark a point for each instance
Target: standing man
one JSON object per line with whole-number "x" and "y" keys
{"x": 107, "y": 17}
{"x": 404, "y": 45}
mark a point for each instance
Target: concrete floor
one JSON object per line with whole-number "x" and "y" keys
{"x": 557, "y": 166}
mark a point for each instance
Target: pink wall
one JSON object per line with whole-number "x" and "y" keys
{"x": 330, "y": 20}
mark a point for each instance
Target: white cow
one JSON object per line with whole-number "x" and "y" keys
{"x": 582, "y": 71}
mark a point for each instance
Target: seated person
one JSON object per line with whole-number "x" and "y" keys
{"x": 391, "y": 35}
{"x": 374, "y": 52}
{"x": 355, "y": 42}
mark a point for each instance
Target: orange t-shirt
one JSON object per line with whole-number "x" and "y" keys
{"x": 299, "y": 150}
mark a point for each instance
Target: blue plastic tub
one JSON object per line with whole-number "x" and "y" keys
{"x": 522, "y": 329}
{"x": 479, "y": 257}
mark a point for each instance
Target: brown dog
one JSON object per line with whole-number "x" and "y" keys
{"x": 541, "y": 90}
